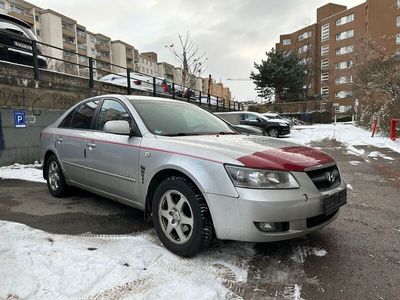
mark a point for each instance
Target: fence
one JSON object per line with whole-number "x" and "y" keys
{"x": 43, "y": 56}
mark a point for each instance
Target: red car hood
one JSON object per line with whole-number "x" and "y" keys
{"x": 251, "y": 151}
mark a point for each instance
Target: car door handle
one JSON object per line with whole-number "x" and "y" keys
{"x": 91, "y": 145}
{"x": 59, "y": 140}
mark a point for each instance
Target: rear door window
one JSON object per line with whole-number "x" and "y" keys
{"x": 83, "y": 116}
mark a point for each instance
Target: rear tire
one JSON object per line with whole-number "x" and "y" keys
{"x": 181, "y": 217}
{"x": 55, "y": 178}
{"x": 273, "y": 132}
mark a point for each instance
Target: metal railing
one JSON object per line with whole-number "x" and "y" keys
{"x": 97, "y": 69}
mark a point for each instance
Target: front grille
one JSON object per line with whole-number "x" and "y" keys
{"x": 315, "y": 221}
{"x": 325, "y": 178}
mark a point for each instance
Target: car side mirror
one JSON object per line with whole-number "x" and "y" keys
{"x": 117, "y": 127}
{"x": 258, "y": 120}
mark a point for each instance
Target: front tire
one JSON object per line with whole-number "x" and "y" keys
{"x": 273, "y": 132}
{"x": 181, "y": 217}
{"x": 55, "y": 178}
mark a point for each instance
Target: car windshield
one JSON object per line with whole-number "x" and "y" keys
{"x": 179, "y": 119}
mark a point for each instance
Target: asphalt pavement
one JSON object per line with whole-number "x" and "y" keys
{"x": 355, "y": 257}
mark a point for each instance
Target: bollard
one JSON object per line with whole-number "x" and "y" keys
{"x": 374, "y": 126}
{"x": 393, "y": 125}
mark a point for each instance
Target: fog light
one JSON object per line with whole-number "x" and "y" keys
{"x": 272, "y": 226}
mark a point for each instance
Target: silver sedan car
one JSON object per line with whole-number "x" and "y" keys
{"x": 194, "y": 176}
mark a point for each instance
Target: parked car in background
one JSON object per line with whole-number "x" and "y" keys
{"x": 272, "y": 127}
{"x": 213, "y": 100}
{"x": 247, "y": 129}
{"x": 277, "y": 116}
{"x": 190, "y": 172}
{"x": 16, "y": 42}
{"x": 138, "y": 81}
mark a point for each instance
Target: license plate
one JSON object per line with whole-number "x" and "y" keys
{"x": 23, "y": 45}
{"x": 333, "y": 202}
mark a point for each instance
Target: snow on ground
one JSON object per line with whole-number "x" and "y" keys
{"x": 38, "y": 265}
{"x": 23, "y": 172}
{"x": 346, "y": 133}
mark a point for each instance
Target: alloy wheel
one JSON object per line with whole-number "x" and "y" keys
{"x": 176, "y": 217}
{"x": 54, "y": 176}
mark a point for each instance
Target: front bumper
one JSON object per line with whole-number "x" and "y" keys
{"x": 284, "y": 130}
{"x": 301, "y": 210}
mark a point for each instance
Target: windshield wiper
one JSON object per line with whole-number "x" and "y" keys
{"x": 226, "y": 133}
{"x": 181, "y": 134}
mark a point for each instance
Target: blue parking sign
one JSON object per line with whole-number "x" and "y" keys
{"x": 19, "y": 119}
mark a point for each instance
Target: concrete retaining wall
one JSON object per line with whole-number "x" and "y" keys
{"x": 43, "y": 102}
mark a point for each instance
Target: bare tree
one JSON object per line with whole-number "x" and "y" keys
{"x": 192, "y": 60}
{"x": 376, "y": 82}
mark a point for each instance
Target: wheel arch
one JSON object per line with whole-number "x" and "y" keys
{"x": 157, "y": 178}
{"x": 45, "y": 159}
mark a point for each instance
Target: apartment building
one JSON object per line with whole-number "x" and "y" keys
{"x": 123, "y": 55}
{"x": 165, "y": 70}
{"x": 79, "y": 43}
{"x": 329, "y": 45}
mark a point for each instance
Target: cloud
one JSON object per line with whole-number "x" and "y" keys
{"x": 235, "y": 33}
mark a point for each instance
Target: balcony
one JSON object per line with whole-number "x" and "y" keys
{"x": 102, "y": 57}
{"x": 68, "y": 31}
{"x": 82, "y": 51}
{"x": 81, "y": 37}
{"x": 23, "y": 15}
{"x": 102, "y": 47}
{"x": 69, "y": 46}
{"x": 129, "y": 54}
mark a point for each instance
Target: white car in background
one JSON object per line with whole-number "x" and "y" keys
{"x": 138, "y": 81}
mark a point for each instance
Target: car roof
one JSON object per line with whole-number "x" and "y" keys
{"x": 14, "y": 20}
{"x": 150, "y": 98}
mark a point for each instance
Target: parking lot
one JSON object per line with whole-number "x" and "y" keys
{"x": 357, "y": 256}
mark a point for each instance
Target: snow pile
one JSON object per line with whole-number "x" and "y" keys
{"x": 376, "y": 154}
{"x": 342, "y": 132}
{"x": 31, "y": 172}
{"x": 35, "y": 264}
{"x": 300, "y": 253}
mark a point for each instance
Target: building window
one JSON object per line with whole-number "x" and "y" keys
{"x": 343, "y": 94}
{"x": 37, "y": 18}
{"x": 397, "y": 55}
{"x": 346, "y": 49}
{"x": 343, "y": 79}
{"x": 324, "y": 91}
{"x": 345, "y": 20}
{"x": 82, "y": 59}
{"x": 324, "y": 50}
{"x": 324, "y": 77}
{"x": 325, "y": 32}
{"x": 305, "y": 35}
{"x": 398, "y": 21}
{"x": 398, "y": 39}
{"x": 324, "y": 64}
{"x": 17, "y": 9}
{"x": 304, "y": 49}
{"x": 38, "y": 32}
{"x": 344, "y": 65}
{"x": 286, "y": 42}
{"x": 398, "y": 3}
{"x": 345, "y": 35}
{"x": 2, "y": 5}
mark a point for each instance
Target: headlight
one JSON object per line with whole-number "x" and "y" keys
{"x": 261, "y": 179}
{"x": 283, "y": 124}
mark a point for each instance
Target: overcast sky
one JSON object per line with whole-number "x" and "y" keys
{"x": 235, "y": 33}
